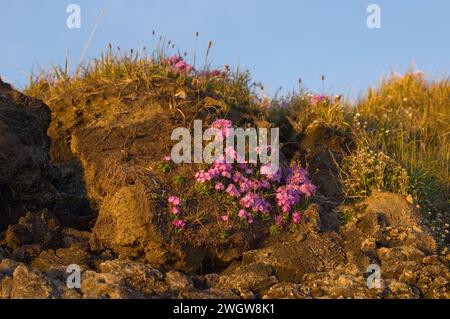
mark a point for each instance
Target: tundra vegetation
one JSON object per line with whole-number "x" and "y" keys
{"x": 94, "y": 184}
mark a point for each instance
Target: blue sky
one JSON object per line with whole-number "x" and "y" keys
{"x": 278, "y": 41}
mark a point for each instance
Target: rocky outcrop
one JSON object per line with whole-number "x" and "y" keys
{"x": 293, "y": 259}
{"x": 388, "y": 221}
{"x": 120, "y": 156}
{"x": 25, "y": 171}
{"x": 324, "y": 147}
{"x": 388, "y": 232}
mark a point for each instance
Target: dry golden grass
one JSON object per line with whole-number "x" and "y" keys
{"x": 134, "y": 75}
{"x": 408, "y": 118}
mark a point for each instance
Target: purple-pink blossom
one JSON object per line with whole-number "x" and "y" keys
{"x": 212, "y": 73}
{"x": 174, "y": 200}
{"x": 251, "y": 193}
{"x": 183, "y": 67}
{"x": 287, "y": 197}
{"x": 219, "y": 186}
{"x": 233, "y": 191}
{"x": 308, "y": 189}
{"x": 202, "y": 176}
{"x": 174, "y": 59}
{"x": 242, "y": 213}
{"x": 316, "y": 99}
{"x": 223, "y": 126}
{"x": 179, "y": 223}
{"x": 296, "y": 217}
{"x": 255, "y": 202}
{"x": 279, "y": 220}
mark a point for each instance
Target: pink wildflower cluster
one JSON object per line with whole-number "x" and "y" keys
{"x": 223, "y": 126}
{"x": 255, "y": 194}
{"x": 320, "y": 99}
{"x": 180, "y": 66}
{"x": 174, "y": 205}
{"x": 297, "y": 186}
{"x": 211, "y": 73}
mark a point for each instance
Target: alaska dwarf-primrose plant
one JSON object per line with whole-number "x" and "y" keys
{"x": 253, "y": 190}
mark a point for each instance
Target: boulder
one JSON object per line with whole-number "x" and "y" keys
{"x": 178, "y": 281}
{"x": 293, "y": 259}
{"x": 26, "y": 283}
{"x": 132, "y": 225}
{"x": 40, "y": 228}
{"x": 387, "y": 220}
{"x": 254, "y": 277}
{"x": 120, "y": 159}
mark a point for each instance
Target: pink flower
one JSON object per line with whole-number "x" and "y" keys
{"x": 279, "y": 220}
{"x": 175, "y": 210}
{"x": 255, "y": 202}
{"x": 226, "y": 174}
{"x": 242, "y": 165}
{"x": 245, "y": 184}
{"x": 183, "y": 67}
{"x": 219, "y": 186}
{"x": 180, "y": 65}
{"x": 202, "y": 177}
{"x": 179, "y": 223}
{"x": 189, "y": 68}
{"x": 296, "y": 175}
{"x": 223, "y": 126}
{"x": 287, "y": 197}
{"x": 308, "y": 189}
{"x": 265, "y": 184}
{"x": 225, "y": 218}
{"x": 233, "y": 191}
{"x": 174, "y": 200}
{"x": 174, "y": 59}
{"x": 212, "y": 73}
{"x": 167, "y": 158}
{"x": 237, "y": 176}
{"x": 255, "y": 184}
{"x": 296, "y": 217}
{"x": 317, "y": 99}
{"x": 242, "y": 213}
{"x": 267, "y": 170}
{"x": 222, "y": 123}
{"x": 231, "y": 153}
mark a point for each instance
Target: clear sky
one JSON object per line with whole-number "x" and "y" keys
{"x": 278, "y": 41}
